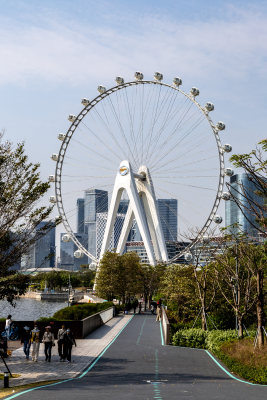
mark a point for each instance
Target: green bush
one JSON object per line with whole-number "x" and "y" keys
{"x": 193, "y": 337}
{"x": 80, "y": 311}
{"x": 215, "y": 339}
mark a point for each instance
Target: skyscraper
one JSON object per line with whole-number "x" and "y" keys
{"x": 67, "y": 249}
{"x": 241, "y": 218}
{"x": 95, "y": 201}
{"x": 42, "y": 252}
{"x": 80, "y": 216}
{"x": 168, "y": 218}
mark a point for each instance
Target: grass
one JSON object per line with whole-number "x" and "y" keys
{"x": 13, "y": 376}
{"x": 243, "y": 351}
{"x": 13, "y": 390}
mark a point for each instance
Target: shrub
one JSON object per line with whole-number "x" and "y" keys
{"x": 215, "y": 339}
{"x": 193, "y": 337}
{"x": 80, "y": 311}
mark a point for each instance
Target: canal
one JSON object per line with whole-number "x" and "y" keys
{"x": 29, "y": 309}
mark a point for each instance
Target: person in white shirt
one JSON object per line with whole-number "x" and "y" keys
{"x": 8, "y": 325}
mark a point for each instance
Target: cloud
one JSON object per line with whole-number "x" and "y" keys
{"x": 235, "y": 47}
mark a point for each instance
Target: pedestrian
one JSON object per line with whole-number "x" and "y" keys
{"x": 49, "y": 341}
{"x": 158, "y": 313}
{"x": 135, "y": 304}
{"x": 35, "y": 342}
{"x": 26, "y": 340}
{"x": 139, "y": 307}
{"x": 60, "y": 344}
{"x": 69, "y": 341}
{"x": 8, "y": 325}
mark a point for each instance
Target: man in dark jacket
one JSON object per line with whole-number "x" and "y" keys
{"x": 68, "y": 342}
{"x": 26, "y": 340}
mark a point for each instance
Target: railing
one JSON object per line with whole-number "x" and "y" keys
{"x": 165, "y": 326}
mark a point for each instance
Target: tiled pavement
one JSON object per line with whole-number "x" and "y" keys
{"x": 86, "y": 351}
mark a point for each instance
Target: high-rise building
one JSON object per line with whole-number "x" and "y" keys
{"x": 168, "y": 218}
{"x": 240, "y": 218}
{"x": 101, "y": 221}
{"x": 80, "y": 216}
{"x": 95, "y": 201}
{"x": 67, "y": 249}
{"x": 42, "y": 252}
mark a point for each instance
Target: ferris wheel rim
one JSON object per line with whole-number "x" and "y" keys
{"x": 78, "y": 119}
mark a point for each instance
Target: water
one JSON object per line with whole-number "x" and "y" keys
{"x": 29, "y": 309}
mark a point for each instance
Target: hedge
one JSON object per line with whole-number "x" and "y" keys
{"x": 78, "y": 312}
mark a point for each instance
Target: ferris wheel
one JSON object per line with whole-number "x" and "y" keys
{"x": 145, "y": 157}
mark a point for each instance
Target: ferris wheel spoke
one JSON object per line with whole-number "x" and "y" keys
{"x": 174, "y": 147}
{"x": 194, "y": 162}
{"x": 168, "y": 120}
{"x": 121, "y": 129}
{"x": 174, "y": 130}
{"x": 98, "y": 137}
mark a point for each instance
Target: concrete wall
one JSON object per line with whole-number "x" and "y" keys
{"x": 80, "y": 329}
{"x": 165, "y": 326}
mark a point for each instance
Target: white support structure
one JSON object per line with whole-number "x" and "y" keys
{"x": 139, "y": 188}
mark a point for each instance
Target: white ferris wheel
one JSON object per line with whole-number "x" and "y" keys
{"x": 148, "y": 143}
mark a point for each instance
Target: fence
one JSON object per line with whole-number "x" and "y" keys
{"x": 165, "y": 326}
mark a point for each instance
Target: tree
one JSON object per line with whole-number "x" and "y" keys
{"x": 119, "y": 276}
{"x": 235, "y": 281}
{"x": 178, "y": 288}
{"x": 152, "y": 275}
{"x": 256, "y": 256}
{"x": 20, "y": 191}
{"x": 253, "y": 208}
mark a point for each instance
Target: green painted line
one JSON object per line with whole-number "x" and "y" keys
{"x": 141, "y": 331}
{"x": 161, "y": 333}
{"x": 77, "y": 377}
{"x": 229, "y": 374}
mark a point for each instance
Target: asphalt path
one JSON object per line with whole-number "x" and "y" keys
{"x": 137, "y": 366}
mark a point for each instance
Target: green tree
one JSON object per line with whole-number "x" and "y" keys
{"x": 236, "y": 281}
{"x": 152, "y": 276}
{"x": 119, "y": 276}
{"x": 178, "y": 288}
{"x": 20, "y": 192}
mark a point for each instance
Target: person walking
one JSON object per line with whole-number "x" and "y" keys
{"x": 158, "y": 313}
{"x": 35, "y": 342}
{"x": 135, "y": 304}
{"x": 60, "y": 341}
{"x": 69, "y": 341}
{"x": 26, "y": 340}
{"x": 49, "y": 341}
{"x": 8, "y": 325}
{"x": 139, "y": 307}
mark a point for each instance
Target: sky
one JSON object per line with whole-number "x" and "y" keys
{"x": 54, "y": 53}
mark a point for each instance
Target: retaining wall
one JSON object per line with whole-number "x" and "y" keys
{"x": 80, "y": 328}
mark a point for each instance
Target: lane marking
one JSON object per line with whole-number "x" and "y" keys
{"x": 141, "y": 331}
{"x": 77, "y": 377}
{"x": 161, "y": 333}
{"x": 229, "y": 374}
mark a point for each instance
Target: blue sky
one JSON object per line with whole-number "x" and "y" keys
{"x": 53, "y": 53}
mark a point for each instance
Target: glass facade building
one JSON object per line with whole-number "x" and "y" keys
{"x": 95, "y": 201}
{"x": 240, "y": 218}
{"x": 80, "y": 216}
{"x": 67, "y": 249}
{"x": 42, "y": 253}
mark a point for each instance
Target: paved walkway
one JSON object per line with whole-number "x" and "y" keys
{"x": 86, "y": 351}
{"x": 136, "y": 366}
